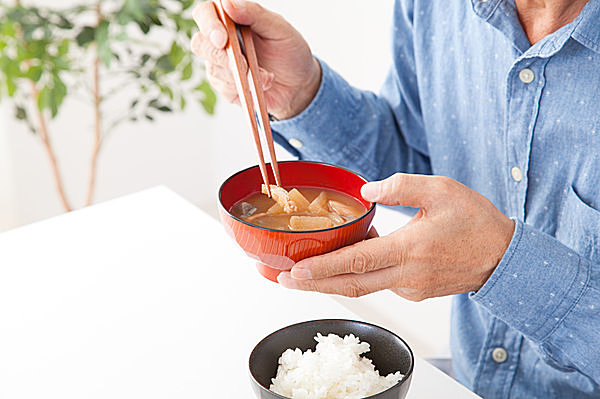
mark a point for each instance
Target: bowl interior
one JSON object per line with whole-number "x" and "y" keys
{"x": 293, "y": 174}
{"x": 388, "y": 352}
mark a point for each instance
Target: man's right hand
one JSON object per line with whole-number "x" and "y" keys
{"x": 289, "y": 73}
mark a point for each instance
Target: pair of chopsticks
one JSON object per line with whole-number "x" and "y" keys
{"x": 240, "y": 47}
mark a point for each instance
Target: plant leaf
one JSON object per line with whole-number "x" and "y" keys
{"x": 185, "y": 4}
{"x": 8, "y": 28}
{"x": 144, "y": 59}
{"x": 134, "y": 8}
{"x": 209, "y": 100}
{"x": 43, "y": 100}
{"x": 57, "y": 95}
{"x": 63, "y": 47}
{"x": 164, "y": 63}
{"x": 144, "y": 27}
{"x": 20, "y": 113}
{"x": 123, "y": 17}
{"x": 167, "y": 90}
{"x": 34, "y": 73}
{"x": 86, "y": 36}
{"x": 11, "y": 87}
{"x": 122, "y": 36}
{"x": 176, "y": 54}
{"x": 187, "y": 71}
{"x": 104, "y": 52}
{"x": 64, "y": 23}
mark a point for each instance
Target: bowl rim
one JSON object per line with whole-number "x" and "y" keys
{"x": 366, "y": 214}
{"x": 406, "y": 377}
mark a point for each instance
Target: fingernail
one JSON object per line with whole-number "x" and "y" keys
{"x": 285, "y": 280}
{"x": 370, "y": 191}
{"x": 301, "y": 273}
{"x": 217, "y": 38}
{"x": 235, "y": 3}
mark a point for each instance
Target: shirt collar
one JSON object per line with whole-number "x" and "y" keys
{"x": 485, "y": 8}
{"x": 502, "y": 14}
{"x": 587, "y": 31}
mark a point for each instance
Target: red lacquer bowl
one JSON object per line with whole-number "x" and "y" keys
{"x": 278, "y": 250}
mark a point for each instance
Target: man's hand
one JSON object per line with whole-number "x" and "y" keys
{"x": 288, "y": 71}
{"x": 451, "y": 246}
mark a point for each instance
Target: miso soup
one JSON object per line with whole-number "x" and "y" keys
{"x": 302, "y": 209}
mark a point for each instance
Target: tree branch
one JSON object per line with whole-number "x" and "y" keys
{"x": 97, "y": 119}
{"x": 45, "y": 137}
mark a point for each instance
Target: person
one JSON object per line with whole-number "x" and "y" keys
{"x": 489, "y": 123}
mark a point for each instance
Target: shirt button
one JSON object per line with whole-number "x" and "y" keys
{"x": 526, "y": 75}
{"x": 295, "y": 143}
{"x": 516, "y": 173}
{"x": 499, "y": 355}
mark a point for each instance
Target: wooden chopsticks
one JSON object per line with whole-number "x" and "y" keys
{"x": 242, "y": 53}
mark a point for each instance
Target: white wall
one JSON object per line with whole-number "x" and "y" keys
{"x": 191, "y": 153}
{"x": 8, "y": 210}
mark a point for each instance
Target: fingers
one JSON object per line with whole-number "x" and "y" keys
{"x": 221, "y": 81}
{"x": 417, "y": 191}
{"x": 205, "y": 49}
{"x": 350, "y": 285}
{"x": 263, "y": 22}
{"x": 210, "y": 26}
{"x": 360, "y": 258}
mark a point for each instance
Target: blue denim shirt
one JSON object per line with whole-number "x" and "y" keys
{"x": 468, "y": 97}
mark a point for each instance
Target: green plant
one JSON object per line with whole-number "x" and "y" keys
{"x": 96, "y": 51}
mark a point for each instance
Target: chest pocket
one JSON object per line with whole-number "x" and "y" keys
{"x": 579, "y": 227}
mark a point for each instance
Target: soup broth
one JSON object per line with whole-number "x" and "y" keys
{"x": 299, "y": 209}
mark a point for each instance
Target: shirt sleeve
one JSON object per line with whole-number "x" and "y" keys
{"x": 376, "y": 135}
{"x": 551, "y": 295}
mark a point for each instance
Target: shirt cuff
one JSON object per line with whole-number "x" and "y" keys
{"x": 535, "y": 285}
{"x": 315, "y": 132}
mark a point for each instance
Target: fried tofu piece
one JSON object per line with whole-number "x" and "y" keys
{"x": 282, "y": 197}
{"x": 299, "y": 199}
{"x": 310, "y": 222}
{"x": 343, "y": 209}
{"x": 319, "y": 206}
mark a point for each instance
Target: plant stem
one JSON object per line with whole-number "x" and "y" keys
{"x": 43, "y": 132}
{"x": 45, "y": 137}
{"x": 97, "y": 119}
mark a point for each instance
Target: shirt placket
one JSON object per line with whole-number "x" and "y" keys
{"x": 499, "y": 361}
{"x": 525, "y": 82}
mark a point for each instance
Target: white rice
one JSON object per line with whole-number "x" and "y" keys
{"x": 334, "y": 371}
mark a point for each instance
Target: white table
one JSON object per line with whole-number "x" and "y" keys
{"x": 144, "y": 297}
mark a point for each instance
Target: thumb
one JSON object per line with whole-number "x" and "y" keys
{"x": 263, "y": 22}
{"x": 400, "y": 189}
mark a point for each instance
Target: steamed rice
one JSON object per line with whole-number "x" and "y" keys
{"x": 335, "y": 370}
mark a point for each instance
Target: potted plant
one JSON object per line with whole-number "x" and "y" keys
{"x": 101, "y": 51}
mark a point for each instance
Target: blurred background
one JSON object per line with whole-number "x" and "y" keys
{"x": 192, "y": 152}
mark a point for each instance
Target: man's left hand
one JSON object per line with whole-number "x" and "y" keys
{"x": 451, "y": 246}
